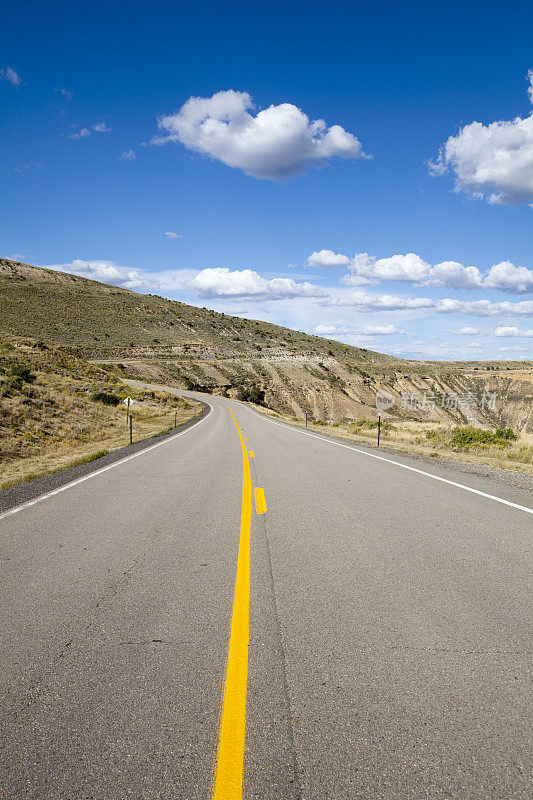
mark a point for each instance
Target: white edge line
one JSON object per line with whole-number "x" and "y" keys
{"x": 98, "y": 471}
{"x": 396, "y": 463}
{"x": 382, "y": 458}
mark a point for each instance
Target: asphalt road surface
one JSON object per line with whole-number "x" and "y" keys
{"x": 374, "y": 644}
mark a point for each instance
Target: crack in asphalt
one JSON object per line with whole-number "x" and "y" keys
{"x": 288, "y": 699}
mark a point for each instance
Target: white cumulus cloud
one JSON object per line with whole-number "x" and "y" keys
{"x": 485, "y": 308}
{"x": 81, "y": 134}
{"x": 10, "y": 75}
{"x": 368, "y": 330}
{"x": 411, "y": 268}
{"x": 385, "y": 302}
{"x": 173, "y": 235}
{"x": 380, "y": 330}
{"x": 108, "y": 272}
{"x": 493, "y": 162}
{"x": 127, "y": 155}
{"x": 222, "y": 282}
{"x": 512, "y": 331}
{"x": 467, "y": 331}
{"x": 453, "y": 275}
{"x": 327, "y": 258}
{"x": 326, "y": 329}
{"x": 274, "y": 144}
{"x": 478, "y": 308}
{"x": 99, "y": 127}
{"x": 509, "y": 278}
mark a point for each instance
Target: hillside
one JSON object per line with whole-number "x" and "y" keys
{"x": 57, "y": 410}
{"x": 153, "y": 338}
{"x": 102, "y": 320}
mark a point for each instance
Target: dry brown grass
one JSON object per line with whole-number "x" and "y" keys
{"x": 65, "y": 454}
{"x": 49, "y": 421}
{"x": 410, "y": 437}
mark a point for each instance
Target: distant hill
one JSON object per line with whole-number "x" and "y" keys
{"x": 103, "y": 320}
{"x": 150, "y": 337}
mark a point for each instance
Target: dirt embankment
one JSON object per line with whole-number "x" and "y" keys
{"x": 331, "y": 390}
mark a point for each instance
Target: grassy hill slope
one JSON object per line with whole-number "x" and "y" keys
{"x": 102, "y": 320}
{"x": 150, "y": 337}
{"x": 57, "y": 410}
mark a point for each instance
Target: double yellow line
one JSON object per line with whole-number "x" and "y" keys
{"x": 230, "y": 757}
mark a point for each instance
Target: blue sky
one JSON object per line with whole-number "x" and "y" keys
{"x": 364, "y": 228}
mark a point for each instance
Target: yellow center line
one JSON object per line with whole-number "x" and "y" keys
{"x": 260, "y": 502}
{"x": 230, "y": 755}
{"x": 252, "y": 454}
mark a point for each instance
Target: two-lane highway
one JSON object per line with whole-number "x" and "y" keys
{"x": 355, "y": 630}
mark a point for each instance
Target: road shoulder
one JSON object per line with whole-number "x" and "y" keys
{"x": 17, "y": 495}
{"x": 512, "y": 478}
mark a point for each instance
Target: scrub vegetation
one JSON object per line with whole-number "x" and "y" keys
{"x": 471, "y": 438}
{"x": 503, "y": 448}
{"x": 57, "y": 410}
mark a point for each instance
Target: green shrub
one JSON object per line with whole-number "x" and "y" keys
{"x": 251, "y": 394}
{"x": 106, "y": 398}
{"x": 366, "y": 423}
{"x": 22, "y": 372}
{"x": 469, "y": 436}
{"x": 197, "y": 387}
{"x": 12, "y": 384}
{"x": 507, "y": 434}
{"x": 370, "y": 424}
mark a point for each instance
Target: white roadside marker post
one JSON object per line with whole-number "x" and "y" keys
{"x": 127, "y": 402}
